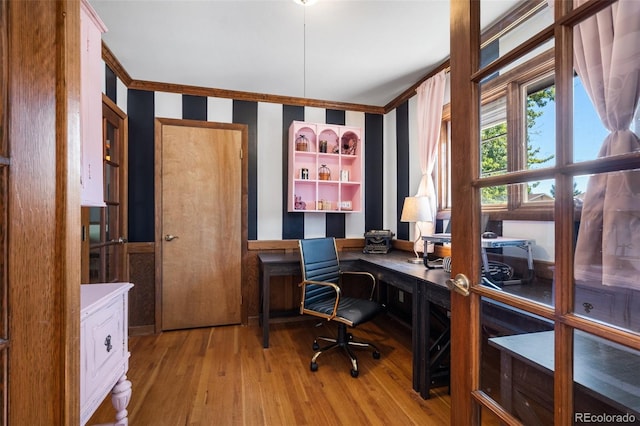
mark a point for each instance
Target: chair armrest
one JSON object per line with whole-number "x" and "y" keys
{"x": 335, "y": 287}
{"x": 373, "y": 279}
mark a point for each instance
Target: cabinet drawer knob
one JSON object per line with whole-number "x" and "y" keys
{"x": 107, "y": 343}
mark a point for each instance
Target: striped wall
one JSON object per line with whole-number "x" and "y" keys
{"x": 391, "y": 169}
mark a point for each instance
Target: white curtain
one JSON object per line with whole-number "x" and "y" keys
{"x": 607, "y": 60}
{"x": 429, "y": 109}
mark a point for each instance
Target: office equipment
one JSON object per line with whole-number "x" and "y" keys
{"x": 489, "y": 243}
{"x": 322, "y": 297}
{"x": 377, "y": 241}
{"x": 427, "y": 287}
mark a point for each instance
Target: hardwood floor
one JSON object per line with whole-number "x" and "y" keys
{"x": 223, "y": 376}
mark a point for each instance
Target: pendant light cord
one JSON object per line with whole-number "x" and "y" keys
{"x": 304, "y": 54}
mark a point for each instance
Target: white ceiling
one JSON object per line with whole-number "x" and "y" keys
{"x": 355, "y": 51}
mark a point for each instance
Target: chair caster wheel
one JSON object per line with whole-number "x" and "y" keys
{"x": 376, "y": 355}
{"x": 313, "y": 366}
{"x": 315, "y": 346}
{"x": 354, "y": 373}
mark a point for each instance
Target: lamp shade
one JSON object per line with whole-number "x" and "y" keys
{"x": 416, "y": 209}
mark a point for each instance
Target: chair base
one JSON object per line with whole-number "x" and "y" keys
{"x": 345, "y": 341}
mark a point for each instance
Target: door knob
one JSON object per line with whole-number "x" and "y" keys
{"x": 459, "y": 284}
{"x": 170, "y": 237}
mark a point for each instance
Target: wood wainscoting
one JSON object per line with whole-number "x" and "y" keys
{"x": 142, "y": 297}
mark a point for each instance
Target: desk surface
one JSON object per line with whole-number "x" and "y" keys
{"x": 601, "y": 367}
{"x": 394, "y": 261}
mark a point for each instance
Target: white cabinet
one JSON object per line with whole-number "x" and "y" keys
{"x": 104, "y": 349}
{"x": 91, "y": 73}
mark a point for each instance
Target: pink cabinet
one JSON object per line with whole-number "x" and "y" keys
{"x": 325, "y": 168}
{"x": 91, "y": 73}
{"x": 104, "y": 349}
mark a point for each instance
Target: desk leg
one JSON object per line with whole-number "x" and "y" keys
{"x": 420, "y": 341}
{"x": 506, "y": 380}
{"x": 265, "y": 280}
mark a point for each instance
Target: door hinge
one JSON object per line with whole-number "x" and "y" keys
{"x": 241, "y": 154}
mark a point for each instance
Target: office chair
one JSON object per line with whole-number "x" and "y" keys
{"x": 322, "y": 297}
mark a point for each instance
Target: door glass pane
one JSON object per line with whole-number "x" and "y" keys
{"x": 111, "y": 183}
{"x": 518, "y": 255}
{"x": 94, "y": 265}
{"x": 111, "y": 230}
{"x": 607, "y": 253}
{"x": 517, "y": 355}
{"x": 110, "y": 143}
{"x": 606, "y": 381}
{"x": 526, "y": 19}
{"x": 111, "y": 262}
{"x": 95, "y": 225}
{"x": 487, "y": 418}
{"x": 588, "y": 131}
{"x": 605, "y": 99}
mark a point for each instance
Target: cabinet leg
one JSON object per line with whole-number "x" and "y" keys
{"x": 120, "y": 397}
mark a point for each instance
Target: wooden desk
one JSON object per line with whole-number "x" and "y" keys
{"x": 607, "y": 375}
{"x": 426, "y": 286}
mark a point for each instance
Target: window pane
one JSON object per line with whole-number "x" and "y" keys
{"x": 540, "y": 123}
{"x": 606, "y": 381}
{"x": 539, "y": 192}
{"x": 493, "y": 149}
{"x": 607, "y": 253}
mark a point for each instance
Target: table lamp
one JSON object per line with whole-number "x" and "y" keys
{"x": 416, "y": 209}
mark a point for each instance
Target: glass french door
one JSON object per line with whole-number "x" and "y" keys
{"x": 546, "y": 317}
{"x": 105, "y": 228}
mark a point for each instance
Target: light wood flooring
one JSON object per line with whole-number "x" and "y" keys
{"x": 223, "y": 376}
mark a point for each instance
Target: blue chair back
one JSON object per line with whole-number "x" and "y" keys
{"x": 319, "y": 262}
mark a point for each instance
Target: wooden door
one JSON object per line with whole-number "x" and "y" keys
{"x": 199, "y": 223}
{"x": 553, "y": 366}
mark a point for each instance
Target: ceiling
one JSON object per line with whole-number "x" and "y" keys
{"x": 364, "y": 52}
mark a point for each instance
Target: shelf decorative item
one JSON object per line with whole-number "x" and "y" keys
{"x": 302, "y": 143}
{"x": 349, "y": 144}
{"x": 324, "y": 173}
{"x": 299, "y": 204}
